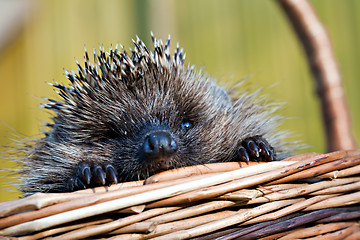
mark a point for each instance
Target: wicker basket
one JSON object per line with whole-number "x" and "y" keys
{"x": 307, "y": 196}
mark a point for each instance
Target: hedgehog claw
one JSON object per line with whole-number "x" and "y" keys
{"x": 75, "y": 183}
{"x": 92, "y": 175}
{"x": 252, "y": 149}
{"x": 266, "y": 153}
{"x": 86, "y": 175}
{"x": 99, "y": 175}
{"x": 83, "y": 173}
{"x": 244, "y": 156}
{"x": 256, "y": 149}
{"x": 79, "y": 184}
{"x": 111, "y": 174}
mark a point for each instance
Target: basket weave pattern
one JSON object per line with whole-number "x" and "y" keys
{"x": 305, "y": 196}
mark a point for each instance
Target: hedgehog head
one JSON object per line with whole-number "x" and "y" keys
{"x": 143, "y": 113}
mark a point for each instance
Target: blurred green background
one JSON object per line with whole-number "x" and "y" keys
{"x": 230, "y": 39}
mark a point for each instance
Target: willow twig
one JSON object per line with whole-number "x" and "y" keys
{"x": 250, "y": 194}
{"x": 315, "y": 40}
{"x": 279, "y": 187}
{"x": 36, "y": 201}
{"x": 41, "y": 200}
{"x": 256, "y": 227}
{"x": 302, "y": 190}
{"x": 229, "y": 221}
{"x": 339, "y": 234}
{"x": 111, "y": 226}
{"x": 170, "y": 227}
{"x": 354, "y": 236}
{"x": 289, "y": 209}
{"x": 234, "y": 185}
{"x": 185, "y": 172}
{"x": 66, "y": 228}
{"x": 79, "y": 200}
{"x": 337, "y": 201}
{"x": 192, "y": 211}
{"x": 345, "y": 162}
{"x": 342, "y": 173}
{"x": 139, "y": 227}
{"x": 195, "y": 170}
{"x": 316, "y": 230}
{"x": 339, "y": 189}
{"x": 218, "y": 234}
{"x": 241, "y": 195}
{"x": 286, "y": 225}
{"x": 345, "y": 214}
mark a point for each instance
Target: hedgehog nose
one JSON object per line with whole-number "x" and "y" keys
{"x": 159, "y": 144}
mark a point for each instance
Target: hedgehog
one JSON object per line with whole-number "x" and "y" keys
{"x": 125, "y": 117}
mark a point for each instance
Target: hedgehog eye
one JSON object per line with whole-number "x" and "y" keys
{"x": 186, "y": 125}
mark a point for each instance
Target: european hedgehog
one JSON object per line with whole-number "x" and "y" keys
{"x": 125, "y": 117}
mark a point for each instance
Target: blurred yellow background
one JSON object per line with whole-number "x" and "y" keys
{"x": 229, "y": 39}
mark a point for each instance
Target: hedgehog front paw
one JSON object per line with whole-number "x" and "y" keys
{"x": 256, "y": 149}
{"x": 92, "y": 175}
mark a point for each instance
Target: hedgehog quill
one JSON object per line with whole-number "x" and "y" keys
{"x": 127, "y": 116}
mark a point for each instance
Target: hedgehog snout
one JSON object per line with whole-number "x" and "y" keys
{"x": 159, "y": 144}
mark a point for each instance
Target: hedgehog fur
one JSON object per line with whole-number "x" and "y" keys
{"x": 106, "y": 119}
